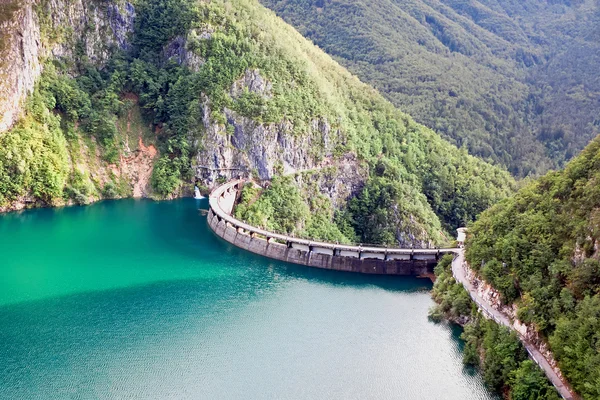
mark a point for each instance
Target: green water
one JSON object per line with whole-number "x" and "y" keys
{"x": 139, "y": 300}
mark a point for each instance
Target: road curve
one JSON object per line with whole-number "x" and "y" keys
{"x": 215, "y": 204}
{"x": 460, "y": 274}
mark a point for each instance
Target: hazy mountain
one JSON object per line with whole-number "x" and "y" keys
{"x": 514, "y": 81}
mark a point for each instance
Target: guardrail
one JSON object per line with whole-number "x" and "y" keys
{"x": 338, "y": 249}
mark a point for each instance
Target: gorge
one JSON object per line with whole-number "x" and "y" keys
{"x": 216, "y": 89}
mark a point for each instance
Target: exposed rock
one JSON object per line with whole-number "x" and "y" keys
{"x": 121, "y": 23}
{"x": 176, "y": 50}
{"x": 21, "y": 203}
{"x": 528, "y": 331}
{"x": 137, "y": 168}
{"x": 342, "y": 178}
{"x": 254, "y": 149}
{"x": 338, "y": 179}
{"x": 410, "y": 234}
{"x": 254, "y": 82}
{"x": 32, "y": 30}
{"x": 179, "y": 49}
{"x": 98, "y": 28}
{"x": 247, "y": 148}
{"x": 19, "y": 58}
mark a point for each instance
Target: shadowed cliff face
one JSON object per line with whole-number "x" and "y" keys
{"x": 34, "y": 30}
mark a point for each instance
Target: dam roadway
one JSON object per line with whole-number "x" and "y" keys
{"x": 334, "y": 256}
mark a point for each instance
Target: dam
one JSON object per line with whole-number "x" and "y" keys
{"x": 333, "y": 256}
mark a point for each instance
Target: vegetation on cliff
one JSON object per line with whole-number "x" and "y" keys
{"x": 417, "y": 180}
{"x": 539, "y": 248}
{"x": 283, "y": 208}
{"x": 494, "y": 76}
{"x": 415, "y": 171}
{"x": 37, "y": 156}
{"x": 493, "y": 348}
{"x": 33, "y": 157}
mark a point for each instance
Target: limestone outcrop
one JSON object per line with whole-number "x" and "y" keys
{"x": 33, "y": 31}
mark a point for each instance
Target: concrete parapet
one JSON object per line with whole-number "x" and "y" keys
{"x": 367, "y": 260}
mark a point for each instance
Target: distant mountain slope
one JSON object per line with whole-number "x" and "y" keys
{"x": 514, "y": 81}
{"x": 541, "y": 249}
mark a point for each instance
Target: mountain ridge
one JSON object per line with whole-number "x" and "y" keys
{"x": 221, "y": 87}
{"x": 495, "y": 77}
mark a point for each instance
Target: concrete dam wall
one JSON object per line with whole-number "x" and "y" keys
{"x": 367, "y": 260}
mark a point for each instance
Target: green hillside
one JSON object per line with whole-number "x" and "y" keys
{"x": 540, "y": 249}
{"x": 493, "y": 348}
{"x": 424, "y": 181}
{"x": 497, "y": 77}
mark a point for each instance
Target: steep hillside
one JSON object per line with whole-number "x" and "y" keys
{"x": 33, "y": 31}
{"x": 230, "y": 89}
{"x": 57, "y": 152}
{"x": 495, "y": 76}
{"x": 493, "y": 348}
{"x": 540, "y": 249}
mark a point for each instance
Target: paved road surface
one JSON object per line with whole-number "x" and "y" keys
{"x": 460, "y": 275}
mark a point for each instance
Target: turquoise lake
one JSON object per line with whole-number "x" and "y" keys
{"x": 134, "y": 299}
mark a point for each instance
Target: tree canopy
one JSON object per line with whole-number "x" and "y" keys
{"x": 539, "y": 248}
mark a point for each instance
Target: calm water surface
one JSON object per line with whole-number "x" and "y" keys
{"x": 139, "y": 300}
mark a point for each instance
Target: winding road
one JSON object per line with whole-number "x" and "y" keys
{"x": 460, "y": 274}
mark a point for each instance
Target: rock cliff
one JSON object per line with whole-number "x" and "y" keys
{"x": 222, "y": 89}
{"x": 33, "y": 31}
{"x": 245, "y": 147}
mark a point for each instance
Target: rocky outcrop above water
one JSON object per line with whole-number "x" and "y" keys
{"x": 244, "y": 147}
{"x": 31, "y": 31}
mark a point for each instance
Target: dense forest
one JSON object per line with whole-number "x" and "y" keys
{"x": 540, "y": 250}
{"x": 497, "y": 77}
{"x": 493, "y": 348}
{"x": 416, "y": 181}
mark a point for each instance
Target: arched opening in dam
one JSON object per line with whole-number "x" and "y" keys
{"x": 139, "y": 299}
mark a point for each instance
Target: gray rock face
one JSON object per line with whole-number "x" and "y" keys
{"x": 121, "y": 23}
{"x": 19, "y": 64}
{"x": 254, "y": 149}
{"x": 177, "y": 50}
{"x": 246, "y": 148}
{"x": 35, "y": 30}
{"x": 253, "y": 82}
{"x": 409, "y": 233}
{"x": 338, "y": 179}
{"x": 249, "y": 148}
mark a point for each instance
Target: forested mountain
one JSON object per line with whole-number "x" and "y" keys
{"x": 516, "y": 82}
{"x": 210, "y": 90}
{"x": 541, "y": 250}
